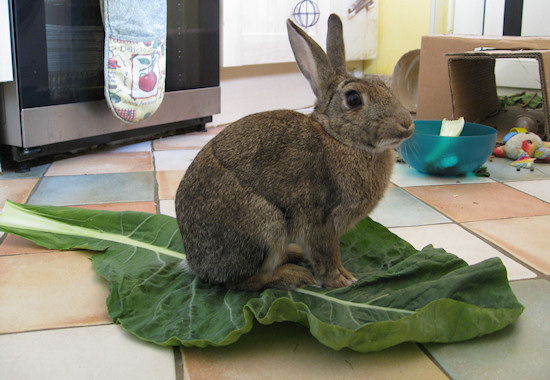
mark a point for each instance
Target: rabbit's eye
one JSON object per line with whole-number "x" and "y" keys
{"x": 353, "y": 99}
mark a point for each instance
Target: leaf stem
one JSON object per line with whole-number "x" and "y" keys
{"x": 15, "y": 216}
{"x": 352, "y": 304}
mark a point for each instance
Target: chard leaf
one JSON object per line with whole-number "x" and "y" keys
{"x": 402, "y": 294}
{"x": 452, "y": 128}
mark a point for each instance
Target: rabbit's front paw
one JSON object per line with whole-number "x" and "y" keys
{"x": 344, "y": 272}
{"x": 336, "y": 279}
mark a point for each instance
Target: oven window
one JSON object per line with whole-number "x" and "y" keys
{"x": 59, "y": 49}
{"x": 192, "y": 44}
{"x": 74, "y": 50}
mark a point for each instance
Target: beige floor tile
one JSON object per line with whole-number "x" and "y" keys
{"x": 190, "y": 141}
{"x": 16, "y": 190}
{"x": 50, "y": 290}
{"x": 471, "y": 202}
{"x": 526, "y": 238}
{"x": 174, "y": 160}
{"x": 125, "y": 206}
{"x": 405, "y": 176}
{"x": 195, "y": 140}
{"x": 461, "y": 243}
{"x": 102, "y": 162}
{"x": 537, "y": 188}
{"x": 168, "y": 182}
{"x": 144, "y": 146}
{"x": 84, "y": 353}
{"x": 517, "y": 352}
{"x": 168, "y": 207}
{"x": 14, "y": 245}
{"x": 288, "y": 351}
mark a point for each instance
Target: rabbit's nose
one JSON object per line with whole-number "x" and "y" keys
{"x": 406, "y": 126}
{"x": 406, "y": 122}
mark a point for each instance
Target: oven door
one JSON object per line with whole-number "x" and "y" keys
{"x": 59, "y": 49}
{"x": 59, "y": 80}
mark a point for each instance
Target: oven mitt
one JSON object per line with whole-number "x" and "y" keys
{"x": 135, "y": 56}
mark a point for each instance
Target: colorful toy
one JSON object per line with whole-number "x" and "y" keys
{"x": 524, "y": 163}
{"x": 523, "y": 147}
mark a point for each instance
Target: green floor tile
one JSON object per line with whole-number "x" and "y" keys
{"x": 520, "y": 351}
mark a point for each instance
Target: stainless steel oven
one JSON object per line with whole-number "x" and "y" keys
{"x": 56, "y": 101}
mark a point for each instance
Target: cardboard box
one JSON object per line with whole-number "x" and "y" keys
{"x": 474, "y": 90}
{"x": 434, "y": 95}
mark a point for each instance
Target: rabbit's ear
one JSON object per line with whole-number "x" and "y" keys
{"x": 336, "y": 51}
{"x": 311, "y": 59}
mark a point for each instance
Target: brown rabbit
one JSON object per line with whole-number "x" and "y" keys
{"x": 281, "y": 177}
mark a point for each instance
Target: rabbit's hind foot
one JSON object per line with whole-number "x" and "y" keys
{"x": 295, "y": 255}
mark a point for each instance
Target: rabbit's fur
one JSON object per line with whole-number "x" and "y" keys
{"x": 281, "y": 177}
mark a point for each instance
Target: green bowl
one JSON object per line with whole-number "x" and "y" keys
{"x": 428, "y": 152}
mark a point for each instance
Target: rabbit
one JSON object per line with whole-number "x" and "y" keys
{"x": 280, "y": 177}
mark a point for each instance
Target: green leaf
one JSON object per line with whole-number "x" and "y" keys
{"x": 452, "y": 128}
{"x": 402, "y": 294}
{"x": 522, "y": 99}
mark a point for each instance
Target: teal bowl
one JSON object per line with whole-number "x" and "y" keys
{"x": 428, "y": 152}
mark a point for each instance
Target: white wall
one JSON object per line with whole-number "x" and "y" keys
{"x": 254, "y": 31}
{"x": 476, "y": 17}
{"x": 487, "y": 17}
{"x": 468, "y": 16}
{"x": 250, "y": 89}
{"x": 515, "y": 74}
{"x": 536, "y": 18}
{"x": 494, "y": 18}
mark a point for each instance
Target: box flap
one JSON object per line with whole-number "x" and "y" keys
{"x": 473, "y": 88}
{"x": 434, "y": 98}
{"x": 473, "y": 85}
{"x": 496, "y": 53}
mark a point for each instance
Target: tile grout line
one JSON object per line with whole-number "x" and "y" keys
{"x": 37, "y": 184}
{"x": 430, "y": 206}
{"x": 156, "y": 196}
{"x": 538, "y": 273}
{"x": 178, "y": 363}
{"x": 468, "y": 221}
{"x": 58, "y": 328}
{"x": 426, "y": 352}
{"x": 33, "y": 190}
{"x": 524, "y": 192}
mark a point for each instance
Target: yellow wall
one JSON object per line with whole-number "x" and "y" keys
{"x": 401, "y": 25}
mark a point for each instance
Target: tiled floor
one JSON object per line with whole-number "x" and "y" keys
{"x": 54, "y": 323}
